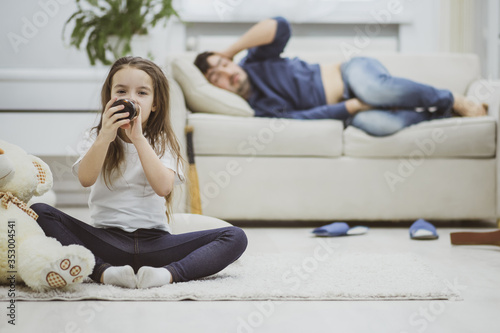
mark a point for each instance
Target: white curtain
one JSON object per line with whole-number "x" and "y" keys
{"x": 457, "y": 26}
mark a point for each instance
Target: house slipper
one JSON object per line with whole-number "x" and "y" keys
{"x": 476, "y": 238}
{"x": 339, "y": 229}
{"x": 423, "y": 230}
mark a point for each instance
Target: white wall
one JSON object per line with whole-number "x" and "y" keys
{"x": 411, "y": 23}
{"x": 38, "y": 71}
{"x": 39, "y": 24}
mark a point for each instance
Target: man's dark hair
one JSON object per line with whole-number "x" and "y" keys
{"x": 201, "y": 61}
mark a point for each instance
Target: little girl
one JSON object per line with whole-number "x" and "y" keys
{"x": 132, "y": 166}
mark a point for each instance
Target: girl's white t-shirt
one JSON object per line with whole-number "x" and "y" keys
{"x": 130, "y": 203}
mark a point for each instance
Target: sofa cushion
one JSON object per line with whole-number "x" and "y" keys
{"x": 436, "y": 69}
{"x": 201, "y": 96}
{"x": 452, "y": 137}
{"x": 228, "y": 135}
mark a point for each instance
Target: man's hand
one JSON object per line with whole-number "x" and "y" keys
{"x": 226, "y": 54}
{"x": 354, "y": 106}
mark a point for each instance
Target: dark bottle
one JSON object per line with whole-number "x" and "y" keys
{"x": 129, "y": 107}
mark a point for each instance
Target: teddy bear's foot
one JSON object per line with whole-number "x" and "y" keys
{"x": 56, "y": 266}
{"x": 64, "y": 272}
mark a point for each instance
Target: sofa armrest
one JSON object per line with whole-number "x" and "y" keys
{"x": 488, "y": 91}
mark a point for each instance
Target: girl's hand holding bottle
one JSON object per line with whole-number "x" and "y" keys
{"x": 112, "y": 120}
{"x": 133, "y": 130}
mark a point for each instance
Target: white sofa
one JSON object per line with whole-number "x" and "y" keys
{"x": 264, "y": 169}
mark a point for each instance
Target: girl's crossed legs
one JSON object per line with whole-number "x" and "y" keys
{"x": 186, "y": 256}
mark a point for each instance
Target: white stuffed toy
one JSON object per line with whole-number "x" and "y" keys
{"x": 26, "y": 254}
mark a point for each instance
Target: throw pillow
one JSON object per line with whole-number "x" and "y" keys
{"x": 201, "y": 96}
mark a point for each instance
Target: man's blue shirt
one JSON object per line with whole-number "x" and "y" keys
{"x": 284, "y": 87}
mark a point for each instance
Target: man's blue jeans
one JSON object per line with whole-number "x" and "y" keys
{"x": 397, "y": 102}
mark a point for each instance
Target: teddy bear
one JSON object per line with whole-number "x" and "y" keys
{"x": 26, "y": 254}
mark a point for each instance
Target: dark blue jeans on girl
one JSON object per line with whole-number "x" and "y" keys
{"x": 187, "y": 256}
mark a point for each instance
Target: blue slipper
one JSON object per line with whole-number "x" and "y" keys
{"x": 421, "y": 229}
{"x": 339, "y": 229}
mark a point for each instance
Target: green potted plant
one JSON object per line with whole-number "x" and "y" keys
{"x": 106, "y": 27}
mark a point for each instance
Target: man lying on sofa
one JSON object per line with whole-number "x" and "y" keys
{"x": 291, "y": 88}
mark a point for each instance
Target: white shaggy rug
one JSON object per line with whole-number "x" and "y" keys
{"x": 338, "y": 276}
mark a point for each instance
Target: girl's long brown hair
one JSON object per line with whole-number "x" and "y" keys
{"x": 158, "y": 129}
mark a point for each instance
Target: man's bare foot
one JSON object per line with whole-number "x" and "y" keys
{"x": 467, "y": 108}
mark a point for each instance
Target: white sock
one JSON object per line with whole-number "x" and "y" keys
{"x": 121, "y": 276}
{"x": 150, "y": 277}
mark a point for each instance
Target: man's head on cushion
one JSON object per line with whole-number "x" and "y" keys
{"x": 222, "y": 72}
